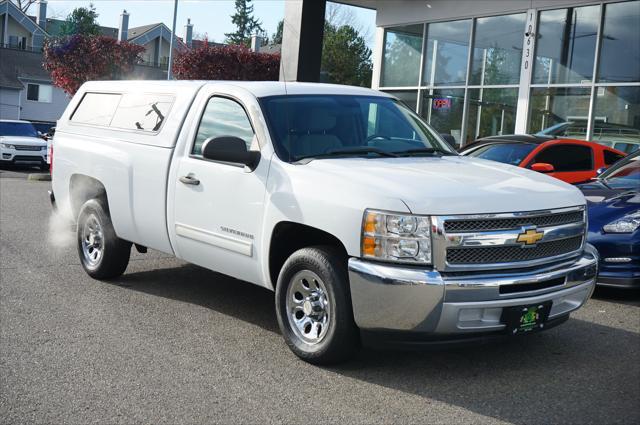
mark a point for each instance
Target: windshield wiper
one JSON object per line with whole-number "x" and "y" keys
{"x": 421, "y": 151}
{"x": 349, "y": 151}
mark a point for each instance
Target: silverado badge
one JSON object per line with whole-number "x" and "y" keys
{"x": 530, "y": 237}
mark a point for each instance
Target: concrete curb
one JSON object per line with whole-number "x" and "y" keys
{"x": 41, "y": 177}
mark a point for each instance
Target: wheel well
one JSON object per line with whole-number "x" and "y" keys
{"x": 288, "y": 237}
{"x": 83, "y": 188}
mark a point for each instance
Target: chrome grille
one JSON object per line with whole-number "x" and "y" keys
{"x": 512, "y": 253}
{"x": 483, "y": 225}
{"x": 493, "y": 241}
{"x": 27, "y": 148}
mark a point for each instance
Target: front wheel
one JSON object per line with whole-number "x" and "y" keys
{"x": 102, "y": 254}
{"x": 313, "y": 306}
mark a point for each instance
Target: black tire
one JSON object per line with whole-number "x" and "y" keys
{"x": 114, "y": 252}
{"x": 341, "y": 340}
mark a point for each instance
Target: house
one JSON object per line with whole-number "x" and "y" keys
{"x": 26, "y": 91}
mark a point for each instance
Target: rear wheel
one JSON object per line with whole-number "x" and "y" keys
{"x": 314, "y": 307}
{"x": 102, "y": 254}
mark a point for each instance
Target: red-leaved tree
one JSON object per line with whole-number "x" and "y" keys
{"x": 231, "y": 62}
{"x": 79, "y": 58}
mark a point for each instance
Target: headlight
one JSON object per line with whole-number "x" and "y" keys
{"x": 627, "y": 224}
{"x": 43, "y": 148}
{"x": 402, "y": 238}
{"x": 7, "y": 146}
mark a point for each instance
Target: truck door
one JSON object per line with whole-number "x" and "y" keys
{"x": 218, "y": 207}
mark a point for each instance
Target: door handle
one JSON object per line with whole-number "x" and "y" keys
{"x": 190, "y": 180}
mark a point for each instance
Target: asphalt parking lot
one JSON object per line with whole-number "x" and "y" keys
{"x": 173, "y": 343}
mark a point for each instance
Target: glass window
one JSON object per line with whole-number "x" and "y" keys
{"x": 565, "y": 45}
{"x": 447, "y": 53}
{"x": 33, "y": 91}
{"x": 344, "y": 126}
{"x": 39, "y": 92}
{"x": 617, "y": 111}
{"x": 223, "y": 117}
{"x": 497, "y": 50}
{"x": 508, "y": 153}
{"x": 491, "y": 112}
{"x": 142, "y": 112}
{"x": 443, "y": 110}
{"x": 9, "y": 128}
{"x": 625, "y": 175}
{"x": 402, "y": 52}
{"x": 559, "y": 111}
{"x": 408, "y": 97}
{"x": 611, "y": 157}
{"x": 620, "y": 51}
{"x": 566, "y": 157}
{"x": 96, "y": 108}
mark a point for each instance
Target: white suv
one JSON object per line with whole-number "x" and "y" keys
{"x": 20, "y": 144}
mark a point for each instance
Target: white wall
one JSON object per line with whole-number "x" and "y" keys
{"x": 9, "y": 101}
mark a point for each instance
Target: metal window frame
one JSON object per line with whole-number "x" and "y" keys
{"x": 525, "y": 85}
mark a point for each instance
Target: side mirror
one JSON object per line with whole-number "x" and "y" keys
{"x": 230, "y": 149}
{"x": 542, "y": 167}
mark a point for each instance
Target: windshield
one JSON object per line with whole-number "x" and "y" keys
{"x": 624, "y": 176}
{"x": 316, "y": 126}
{"x": 18, "y": 129}
{"x": 508, "y": 153}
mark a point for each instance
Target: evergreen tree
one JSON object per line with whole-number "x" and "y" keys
{"x": 246, "y": 24}
{"x": 82, "y": 20}
{"x": 277, "y": 38}
{"x": 346, "y": 59}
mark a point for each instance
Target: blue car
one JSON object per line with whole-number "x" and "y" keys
{"x": 613, "y": 202}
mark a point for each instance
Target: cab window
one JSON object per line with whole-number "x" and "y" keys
{"x": 222, "y": 117}
{"x": 567, "y": 157}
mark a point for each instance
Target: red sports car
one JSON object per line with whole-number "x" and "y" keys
{"x": 573, "y": 161}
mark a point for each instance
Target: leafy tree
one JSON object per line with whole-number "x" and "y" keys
{"x": 246, "y": 24}
{"x": 230, "y": 62}
{"x": 277, "y": 37}
{"x": 75, "y": 59}
{"x": 83, "y": 20}
{"x": 346, "y": 59}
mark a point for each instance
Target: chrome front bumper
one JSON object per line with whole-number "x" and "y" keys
{"x": 399, "y": 298}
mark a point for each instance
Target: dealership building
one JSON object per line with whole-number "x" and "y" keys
{"x": 475, "y": 68}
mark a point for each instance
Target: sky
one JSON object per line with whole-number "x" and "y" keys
{"x": 209, "y": 17}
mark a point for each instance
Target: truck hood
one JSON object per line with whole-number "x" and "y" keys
{"x": 450, "y": 184}
{"x": 21, "y": 140}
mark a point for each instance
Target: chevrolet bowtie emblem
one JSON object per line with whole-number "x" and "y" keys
{"x": 530, "y": 237}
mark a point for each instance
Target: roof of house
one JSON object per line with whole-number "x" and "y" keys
{"x": 138, "y": 31}
{"x": 16, "y": 64}
{"x": 54, "y": 27}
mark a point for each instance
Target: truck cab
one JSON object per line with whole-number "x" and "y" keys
{"x": 355, "y": 212}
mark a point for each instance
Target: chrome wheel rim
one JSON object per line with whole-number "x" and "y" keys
{"x": 308, "y": 307}
{"x": 92, "y": 241}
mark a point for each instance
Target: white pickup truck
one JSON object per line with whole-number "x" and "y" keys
{"x": 340, "y": 199}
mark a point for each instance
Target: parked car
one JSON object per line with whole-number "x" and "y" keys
{"x": 613, "y": 201}
{"x": 340, "y": 199}
{"x": 572, "y": 161}
{"x": 21, "y": 144}
{"x": 620, "y": 137}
